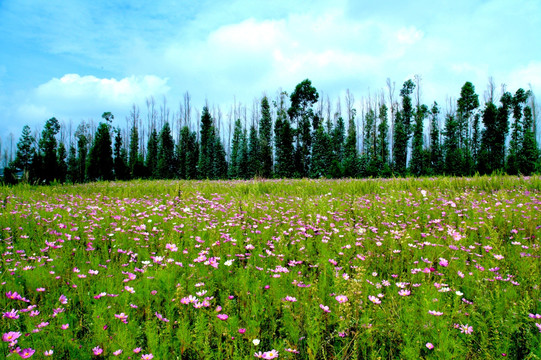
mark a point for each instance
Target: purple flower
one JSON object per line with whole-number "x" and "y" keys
{"x": 97, "y": 350}
{"x": 222, "y": 317}
{"x": 26, "y": 353}
{"x": 11, "y": 336}
{"x": 324, "y": 308}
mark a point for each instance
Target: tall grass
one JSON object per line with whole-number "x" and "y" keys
{"x": 435, "y": 268}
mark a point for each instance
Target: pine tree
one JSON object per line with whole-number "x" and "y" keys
{"x": 529, "y": 153}
{"x": 82, "y": 153}
{"x": 436, "y": 155}
{"x": 417, "y": 165}
{"x": 453, "y": 154}
{"x": 400, "y": 144}
{"x": 254, "y": 164}
{"x": 265, "y": 140}
{"x": 235, "y": 155}
{"x": 382, "y": 143}
{"x": 351, "y": 157}
{"x": 120, "y": 165}
{"x": 151, "y": 162}
{"x": 47, "y": 151}
{"x": 518, "y": 101}
{"x": 25, "y": 149}
{"x": 72, "y": 166}
{"x": 62, "y": 169}
{"x": 487, "y": 164}
{"x": 219, "y": 163}
{"x": 284, "y": 164}
{"x": 369, "y": 141}
{"x": 322, "y": 154}
{"x": 302, "y": 99}
{"x": 207, "y": 142}
{"x": 100, "y": 157}
{"x": 166, "y": 161}
{"x": 135, "y": 163}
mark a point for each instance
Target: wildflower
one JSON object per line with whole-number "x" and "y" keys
{"x": 256, "y": 342}
{"x": 258, "y": 355}
{"x": 147, "y": 357}
{"x": 11, "y": 336}
{"x": 435, "y": 313}
{"x": 430, "y": 346}
{"x": 242, "y": 330}
{"x": 48, "y": 353}
{"x": 97, "y": 350}
{"x": 270, "y": 354}
{"x": 466, "y": 329}
{"x": 137, "y": 350}
{"x": 324, "y": 308}
{"x": 118, "y": 352}
{"x": 229, "y": 262}
{"x": 341, "y": 298}
{"x": 65, "y": 326}
{"x": 11, "y": 314}
{"x": 222, "y": 317}
{"x": 26, "y": 353}
{"x": 374, "y": 299}
{"x": 294, "y": 351}
{"x": 40, "y": 289}
{"x": 404, "y": 292}
{"x": 122, "y": 317}
{"x": 290, "y": 299}
{"x": 63, "y": 299}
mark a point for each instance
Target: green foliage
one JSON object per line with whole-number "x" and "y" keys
{"x": 166, "y": 161}
{"x": 265, "y": 140}
{"x": 100, "y": 157}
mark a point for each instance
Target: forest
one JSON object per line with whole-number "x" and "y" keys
{"x": 296, "y": 135}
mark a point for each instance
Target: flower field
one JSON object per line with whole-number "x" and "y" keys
{"x": 444, "y": 268}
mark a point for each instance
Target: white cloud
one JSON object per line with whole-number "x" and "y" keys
{"x": 79, "y": 97}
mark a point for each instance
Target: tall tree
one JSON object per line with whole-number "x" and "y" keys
{"x": 302, "y": 99}
{"x": 351, "y": 157}
{"x": 62, "y": 169}
{"x": 402, "y": 128}
{"x": 151, "y": 162}
{"x": 25, "y": 149}
{"x": 382, "y": 155}
{"x": 529, "y": 152}
{"x": 100, "y": 157}
{"x": 436, "y": 155}
{"x": 418, "y": 158}
{"x": 453, "y": 154}
{"x": 466, "y": 105}
{"x": 284, "y": 165}
{"x": 236, "y": 148}
{"x": 120, "y": 157}
{"x": 519, "y": 100}
{"x": 206, "y": 144}
{"x": 254, "y": 164}
{"x": 265, "y": 139}
{"x": 47, "y": 150}
{"x": 166, "y": 161}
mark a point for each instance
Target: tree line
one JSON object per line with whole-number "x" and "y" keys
{"x": 296, "y": 136}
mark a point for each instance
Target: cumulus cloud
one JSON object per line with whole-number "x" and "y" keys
{"x": 75, "y": 96}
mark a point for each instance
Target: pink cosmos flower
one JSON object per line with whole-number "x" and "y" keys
{"x": 222, "y": 317}
{"x": 122, "y": 317}
{"x": 242, "y": 330}
{"x": 341, "y": 298}
{"x": 137, "y": 350}
{"x": 26, "y": 353}
{"x": 466, "y": 329}
{"x": 63, "y": 299}
{"x": 11, "y": 336}
{"x": 374, "y": 299}
{"x": 404, "y": 292}
{"x": 97, "y": 350}
{"x": 290, "y": 299}
{"x": 270, "y": 354}
{"x": 430, "y": 346}
{"x": 65, "y": 326}
{"x": 258, "y": 355}
{"x": 435, "y": 313}
{"x": 48, "y": 353}
{"x": 118, "y": 352}
{"x": 147, "y": 357}
{"x": 11, "y": 314}
{"x": 324, "y": 308}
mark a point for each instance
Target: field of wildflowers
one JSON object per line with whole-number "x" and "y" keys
{"x": 445, "y": 268}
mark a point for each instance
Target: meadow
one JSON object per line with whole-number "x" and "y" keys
{"x": 442, "y": 268}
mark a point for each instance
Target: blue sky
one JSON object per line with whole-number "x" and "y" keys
{"x": 76, "y": 59}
